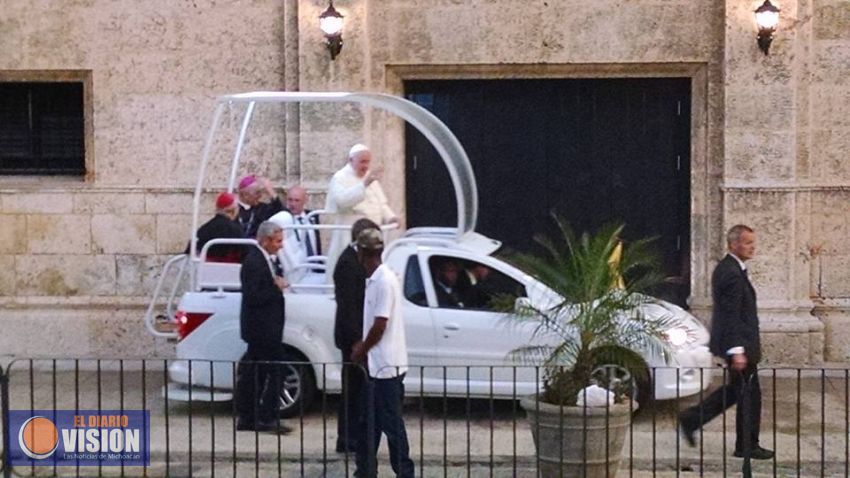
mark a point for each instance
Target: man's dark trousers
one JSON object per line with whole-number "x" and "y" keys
{"x": 350, "y": 404}
{"x": 258, "y": 384}
{"x": 386, "y": 413}
{"x": 739, "y": 386}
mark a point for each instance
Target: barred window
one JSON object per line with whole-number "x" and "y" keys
{"x": 42, "y": 128}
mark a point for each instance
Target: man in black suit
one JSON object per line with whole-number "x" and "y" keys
{"x": 252, "y": 209}
{"x": 222, "y": 226}
{"x": 309, "y": 240}
{"x": 301, "y": 244}
{"x": 261, "y": 320}
{"x": 349, "y": 288}
{"x": 446, "y": 282}
{"x": 735, "y": 337}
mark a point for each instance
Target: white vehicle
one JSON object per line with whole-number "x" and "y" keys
{"x": 453, "y": 351}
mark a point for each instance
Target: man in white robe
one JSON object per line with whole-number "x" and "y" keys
{"x": 355, "y": 192}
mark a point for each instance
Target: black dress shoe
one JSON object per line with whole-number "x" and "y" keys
{"x": 346, "y": 447}
{"x": 269, "y": 426}
{"x": 687, "y": 432}
{"x": 244, "y": 425}
{"x": 273, "y": 426}
{"x": 757, "y": 453}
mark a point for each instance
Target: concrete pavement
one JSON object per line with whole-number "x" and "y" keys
{"x": 804, "y": 419}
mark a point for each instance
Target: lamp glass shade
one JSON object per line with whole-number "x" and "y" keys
{"x": 330, "y": 21}
{"x": 767, "y": 16}
{"x": 330, "y": 25}
{"x": 767, "y": 20}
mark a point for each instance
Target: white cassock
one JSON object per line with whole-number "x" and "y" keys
{"x": 349, "y": 199}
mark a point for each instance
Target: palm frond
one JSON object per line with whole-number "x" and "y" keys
{"x": 590, "y": 322}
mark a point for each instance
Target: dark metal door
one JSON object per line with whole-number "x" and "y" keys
{"x": 594, "y": 150}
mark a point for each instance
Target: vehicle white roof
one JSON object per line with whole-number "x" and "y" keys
{"x": 446, "y": 237}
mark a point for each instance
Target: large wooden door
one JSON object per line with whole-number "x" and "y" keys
{"x": 593, "y": 150}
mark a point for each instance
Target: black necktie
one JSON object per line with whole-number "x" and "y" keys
{"x": 278, "y": 270}
{"x": 747, "y": 278}
{"x": 307, "y": 241}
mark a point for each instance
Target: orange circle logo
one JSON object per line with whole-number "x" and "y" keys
{"x": 38, "y": 437}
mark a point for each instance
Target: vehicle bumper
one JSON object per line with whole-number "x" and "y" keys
{"x": 692, "y": 374}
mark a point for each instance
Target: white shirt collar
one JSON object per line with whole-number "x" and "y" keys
{"x": 444, "y": 286}
{"x": 740, "y": 262}
{"x": 372, "y": 278}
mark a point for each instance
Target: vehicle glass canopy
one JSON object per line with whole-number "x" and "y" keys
{"x": 250, "y": 134}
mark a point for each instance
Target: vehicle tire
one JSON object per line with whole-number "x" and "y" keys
{"x": 299, "y": 385}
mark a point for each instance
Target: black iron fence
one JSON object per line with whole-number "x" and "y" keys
{"x": 461, "y": 421}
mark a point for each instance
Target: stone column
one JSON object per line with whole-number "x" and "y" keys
{"x": 826, "y": 22}
{"x": 765, "y": 178}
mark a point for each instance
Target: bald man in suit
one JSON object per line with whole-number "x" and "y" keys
{"x": 735, "y": 337}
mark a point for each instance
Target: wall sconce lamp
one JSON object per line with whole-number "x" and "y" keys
{"x": 330, "y": 21}
{"x": 767, "y": 17}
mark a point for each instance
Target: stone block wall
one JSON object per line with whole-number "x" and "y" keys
{"x": 79, "y": 265}
{"x": 79, "y": 256}
{"x": 785, "y": 174}
{"x": 88, "y": 266}
{"x": 769, "y": 134}
{"x": 828, "y": 161}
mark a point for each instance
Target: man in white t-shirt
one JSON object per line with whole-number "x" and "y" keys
{"x": 385, "y": 350}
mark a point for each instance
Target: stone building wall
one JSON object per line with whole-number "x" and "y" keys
{"x": 824, "y": 157}
{"x": 769, "y": 137}
{"x": 79, "y": 256}
{"x": 786, "y": 170}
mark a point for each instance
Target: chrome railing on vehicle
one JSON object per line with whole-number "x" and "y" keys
{"x": 196, "y": 274}
{"x": 153, "y": 321}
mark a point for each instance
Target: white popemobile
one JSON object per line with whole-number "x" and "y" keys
{"x": 452, "y": 351}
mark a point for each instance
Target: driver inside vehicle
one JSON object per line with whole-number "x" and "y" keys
{"x": 465, "y": 284}
{"x": 446, "y": 273}
{"x": 483, "y": 286}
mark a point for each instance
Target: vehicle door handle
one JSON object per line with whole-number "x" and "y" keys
{"x": 451, "y": 326}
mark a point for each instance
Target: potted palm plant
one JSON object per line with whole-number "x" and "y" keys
{"x": 594, "y": 319}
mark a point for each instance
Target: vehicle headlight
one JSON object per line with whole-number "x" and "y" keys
{"x": 677, "y": 336}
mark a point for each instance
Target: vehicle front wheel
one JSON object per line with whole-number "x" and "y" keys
{"x": 298, "y": 387}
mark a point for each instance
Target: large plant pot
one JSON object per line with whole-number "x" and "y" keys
{"x": 577, "y": 441}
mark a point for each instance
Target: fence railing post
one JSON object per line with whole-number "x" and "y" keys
{"x": 4, "y": 422}
{"x": 371, "y": 452}
{"x": 746, "y": 407}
